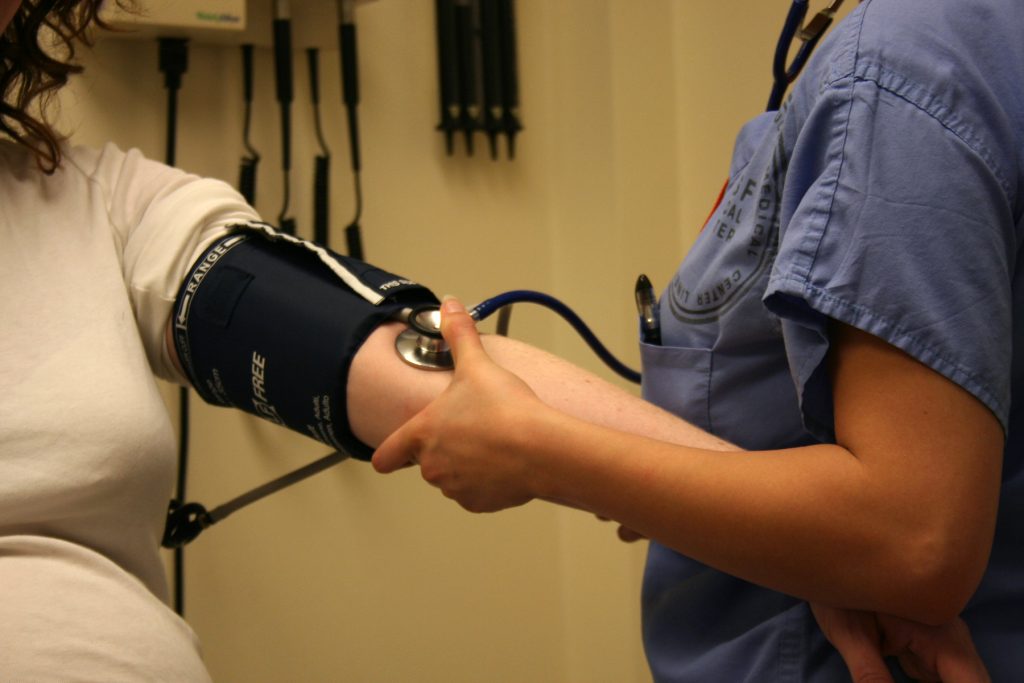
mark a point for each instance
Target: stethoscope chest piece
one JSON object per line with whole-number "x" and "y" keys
{"x": 422, "y": 345}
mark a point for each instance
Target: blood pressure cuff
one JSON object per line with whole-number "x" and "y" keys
{"x": 269, "y": 324}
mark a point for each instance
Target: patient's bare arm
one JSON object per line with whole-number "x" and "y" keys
{"x": 384, "y": 392}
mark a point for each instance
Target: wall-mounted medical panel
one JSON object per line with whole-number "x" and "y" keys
{"x": 229, "y": 22}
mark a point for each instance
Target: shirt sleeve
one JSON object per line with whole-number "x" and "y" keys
{"x": 163, "y": 219}
{"x": 896, "y": 222}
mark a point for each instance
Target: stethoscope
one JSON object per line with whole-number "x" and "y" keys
{"x": 422, "y": 346}
{"x": 784, "y": 74}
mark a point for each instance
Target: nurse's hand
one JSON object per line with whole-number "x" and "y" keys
{"x": 470, "y": 442}
{"x": 926, "y": 653}
{"x": 624, "y": 533}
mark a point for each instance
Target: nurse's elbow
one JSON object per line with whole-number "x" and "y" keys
{"x": 940, "y": 574}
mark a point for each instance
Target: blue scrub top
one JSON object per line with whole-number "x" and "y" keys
{"x": 887, "y": 194}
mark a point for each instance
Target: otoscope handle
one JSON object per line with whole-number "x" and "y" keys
{"x": 283, "y": 60}
{"x": 350, "y": 88}
{"x": 247, "y": 180}
{"x": 447, "y": 68}
{"x": 321, "y": 194}
{"x": 283, "y": 74}
{"x": 354, "y": 242}
{"x": 349, "y": 64}
{"x": 247, "y": 73}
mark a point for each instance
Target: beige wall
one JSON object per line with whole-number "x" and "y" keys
{"x": 630, "y": 107}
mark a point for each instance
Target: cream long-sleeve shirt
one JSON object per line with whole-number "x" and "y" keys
{"x": 91, "y": 259}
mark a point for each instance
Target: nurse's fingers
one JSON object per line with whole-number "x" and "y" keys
{"x": 402, "y": 448}
{"x": 398, "y": 450}
{"x": 627, "y": 535}
{"x": 624, "y": 533}
{"x": 855, "y": 634}
{"x": 459, "y": 330}
{"x": 933, "y": 653}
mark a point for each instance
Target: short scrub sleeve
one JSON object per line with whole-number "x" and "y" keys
{"x": 894, "y": 221}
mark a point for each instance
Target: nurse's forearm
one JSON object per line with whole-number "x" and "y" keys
{"x": 808, "y": 522}
{"x": 798, "y": 521}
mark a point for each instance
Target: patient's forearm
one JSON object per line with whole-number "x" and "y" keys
{"x": 384, "y": 392}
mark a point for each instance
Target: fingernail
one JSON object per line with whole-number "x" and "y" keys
{"x": 449, "y": 304}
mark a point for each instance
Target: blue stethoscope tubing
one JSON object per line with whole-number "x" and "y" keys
{"x": 784, "y": 74}
{"x": 489, "y": 306}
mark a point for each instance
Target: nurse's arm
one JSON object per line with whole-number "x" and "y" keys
{"x": 897, "y": 518}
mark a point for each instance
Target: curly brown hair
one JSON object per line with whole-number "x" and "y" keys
{"x": 29, "y": 70}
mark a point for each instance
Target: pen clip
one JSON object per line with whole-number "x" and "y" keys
{"x": 647, "y": 308}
